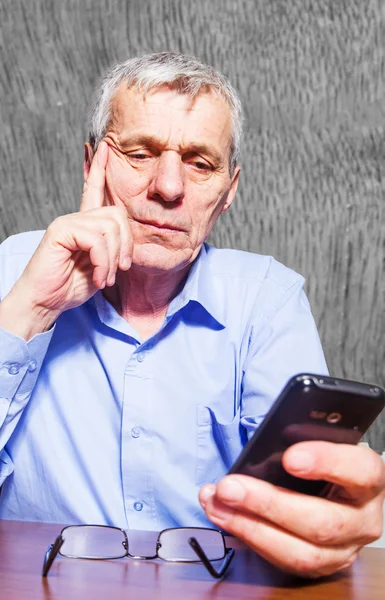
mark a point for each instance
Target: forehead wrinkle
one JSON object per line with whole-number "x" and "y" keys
{"x": 119, "y": 99}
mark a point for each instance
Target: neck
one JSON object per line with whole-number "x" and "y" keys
{"x": 138, "y": 294}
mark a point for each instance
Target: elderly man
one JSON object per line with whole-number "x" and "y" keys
{"x": 136, "y": 360}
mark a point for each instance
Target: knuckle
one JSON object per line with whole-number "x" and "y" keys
{"x": 324, "y": 536}
{"x": 55, "y": 223}
{"x": 317, "y": 562}
{"x": 349, "y": 561}
{"x": 331, "y": 528}
{"x": 371, "y": 475}
{"x": 99, "y": 241}
{"x": 375, "y": 533}
{"x": 98, "y": 253}
{"x": 309, "y": 563}
{"x": 373, "y": 528}
{"x": 111, "y": 226}
{"x": 375, "y": 475}
{"x": 331, "y": 563}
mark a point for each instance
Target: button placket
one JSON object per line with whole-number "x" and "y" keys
{"x": 136, "y": 446}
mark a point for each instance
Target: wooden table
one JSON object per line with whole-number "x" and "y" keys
{"x": 22, "y": 548}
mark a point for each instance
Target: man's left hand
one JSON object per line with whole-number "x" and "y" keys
{"x": 305, "y": 535}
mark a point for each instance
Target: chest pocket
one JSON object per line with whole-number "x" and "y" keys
{"x": 218, "y": 445}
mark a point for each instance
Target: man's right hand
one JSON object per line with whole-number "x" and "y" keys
{"x": 79, "y": 254}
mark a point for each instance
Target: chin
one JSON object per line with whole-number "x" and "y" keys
{"x": 157, "y": 258}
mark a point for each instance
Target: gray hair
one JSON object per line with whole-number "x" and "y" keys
{"x": 186, "y": 74}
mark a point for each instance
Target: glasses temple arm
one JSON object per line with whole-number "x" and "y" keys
{"x": 51, "y": 554}
{"x": 195, "y": 545}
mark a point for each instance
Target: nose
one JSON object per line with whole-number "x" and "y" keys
{"x": 167, "y": 183}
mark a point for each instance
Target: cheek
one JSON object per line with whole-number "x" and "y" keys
{"x": 208, "y": 205}
{"x": 205, "y": 214}
{"x": 123, "y": 182}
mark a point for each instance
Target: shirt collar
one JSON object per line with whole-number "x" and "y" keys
{"x": 199, "y": 288}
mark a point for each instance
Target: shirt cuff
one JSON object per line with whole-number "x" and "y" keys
{"x": 20, "y": 361}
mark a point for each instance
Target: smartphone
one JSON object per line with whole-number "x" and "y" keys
{"x": 310, "y": 407}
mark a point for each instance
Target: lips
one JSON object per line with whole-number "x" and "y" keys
{"x": 164, "y": 226}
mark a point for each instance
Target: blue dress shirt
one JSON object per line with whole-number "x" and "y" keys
{"x": 98, "y": 427}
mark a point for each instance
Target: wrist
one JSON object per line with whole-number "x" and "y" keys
{"x": 20, "y": 316}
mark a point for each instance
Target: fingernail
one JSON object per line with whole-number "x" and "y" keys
{"x": 300, "y": 460}
{"x": 206, "y": 493}
{"x": 232, "y": 490}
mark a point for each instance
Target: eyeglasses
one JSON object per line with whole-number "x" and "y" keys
{"x": 178, "y": 544}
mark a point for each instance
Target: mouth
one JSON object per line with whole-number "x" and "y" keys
{"x": 161, "y": 226}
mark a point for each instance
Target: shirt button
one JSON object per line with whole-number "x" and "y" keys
{"x": 32, "y": 365}
{"x": 14, "y": 369}
{"x": 138, "y": 505}
{"x": 135, "y": 432}
{"x": 140, "y": 357}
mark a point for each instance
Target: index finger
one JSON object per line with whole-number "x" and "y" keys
{"x": 94, "y": 186}
{"x": 356, "y": 468}
{"x": 317, "y": 520}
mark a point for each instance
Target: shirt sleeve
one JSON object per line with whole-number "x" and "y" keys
{"x": 20, "y": 364}
{"x": 287, "y": 344}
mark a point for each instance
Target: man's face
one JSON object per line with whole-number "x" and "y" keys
{"x": 169, "y": 166}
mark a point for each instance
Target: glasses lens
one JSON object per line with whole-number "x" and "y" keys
{"x": 173, "y": 544}
{"x": 92, "y": 541}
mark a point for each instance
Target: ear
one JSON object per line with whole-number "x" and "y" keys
{"x": 232, "y": 190}
{"x": 88, "y": 157}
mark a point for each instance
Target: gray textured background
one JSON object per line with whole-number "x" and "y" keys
{"x": 311, "y": 77}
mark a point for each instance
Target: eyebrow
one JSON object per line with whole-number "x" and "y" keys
{"x": 150, "y": 141}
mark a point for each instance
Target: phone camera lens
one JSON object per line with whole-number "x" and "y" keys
{"x": 334, "y": 418}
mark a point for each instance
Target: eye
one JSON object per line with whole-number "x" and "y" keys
{"x": 200, "y": 165}
{"x": 138, "y": 155}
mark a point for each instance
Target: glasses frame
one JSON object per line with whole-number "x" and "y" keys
{"x": 54, "y": 549}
